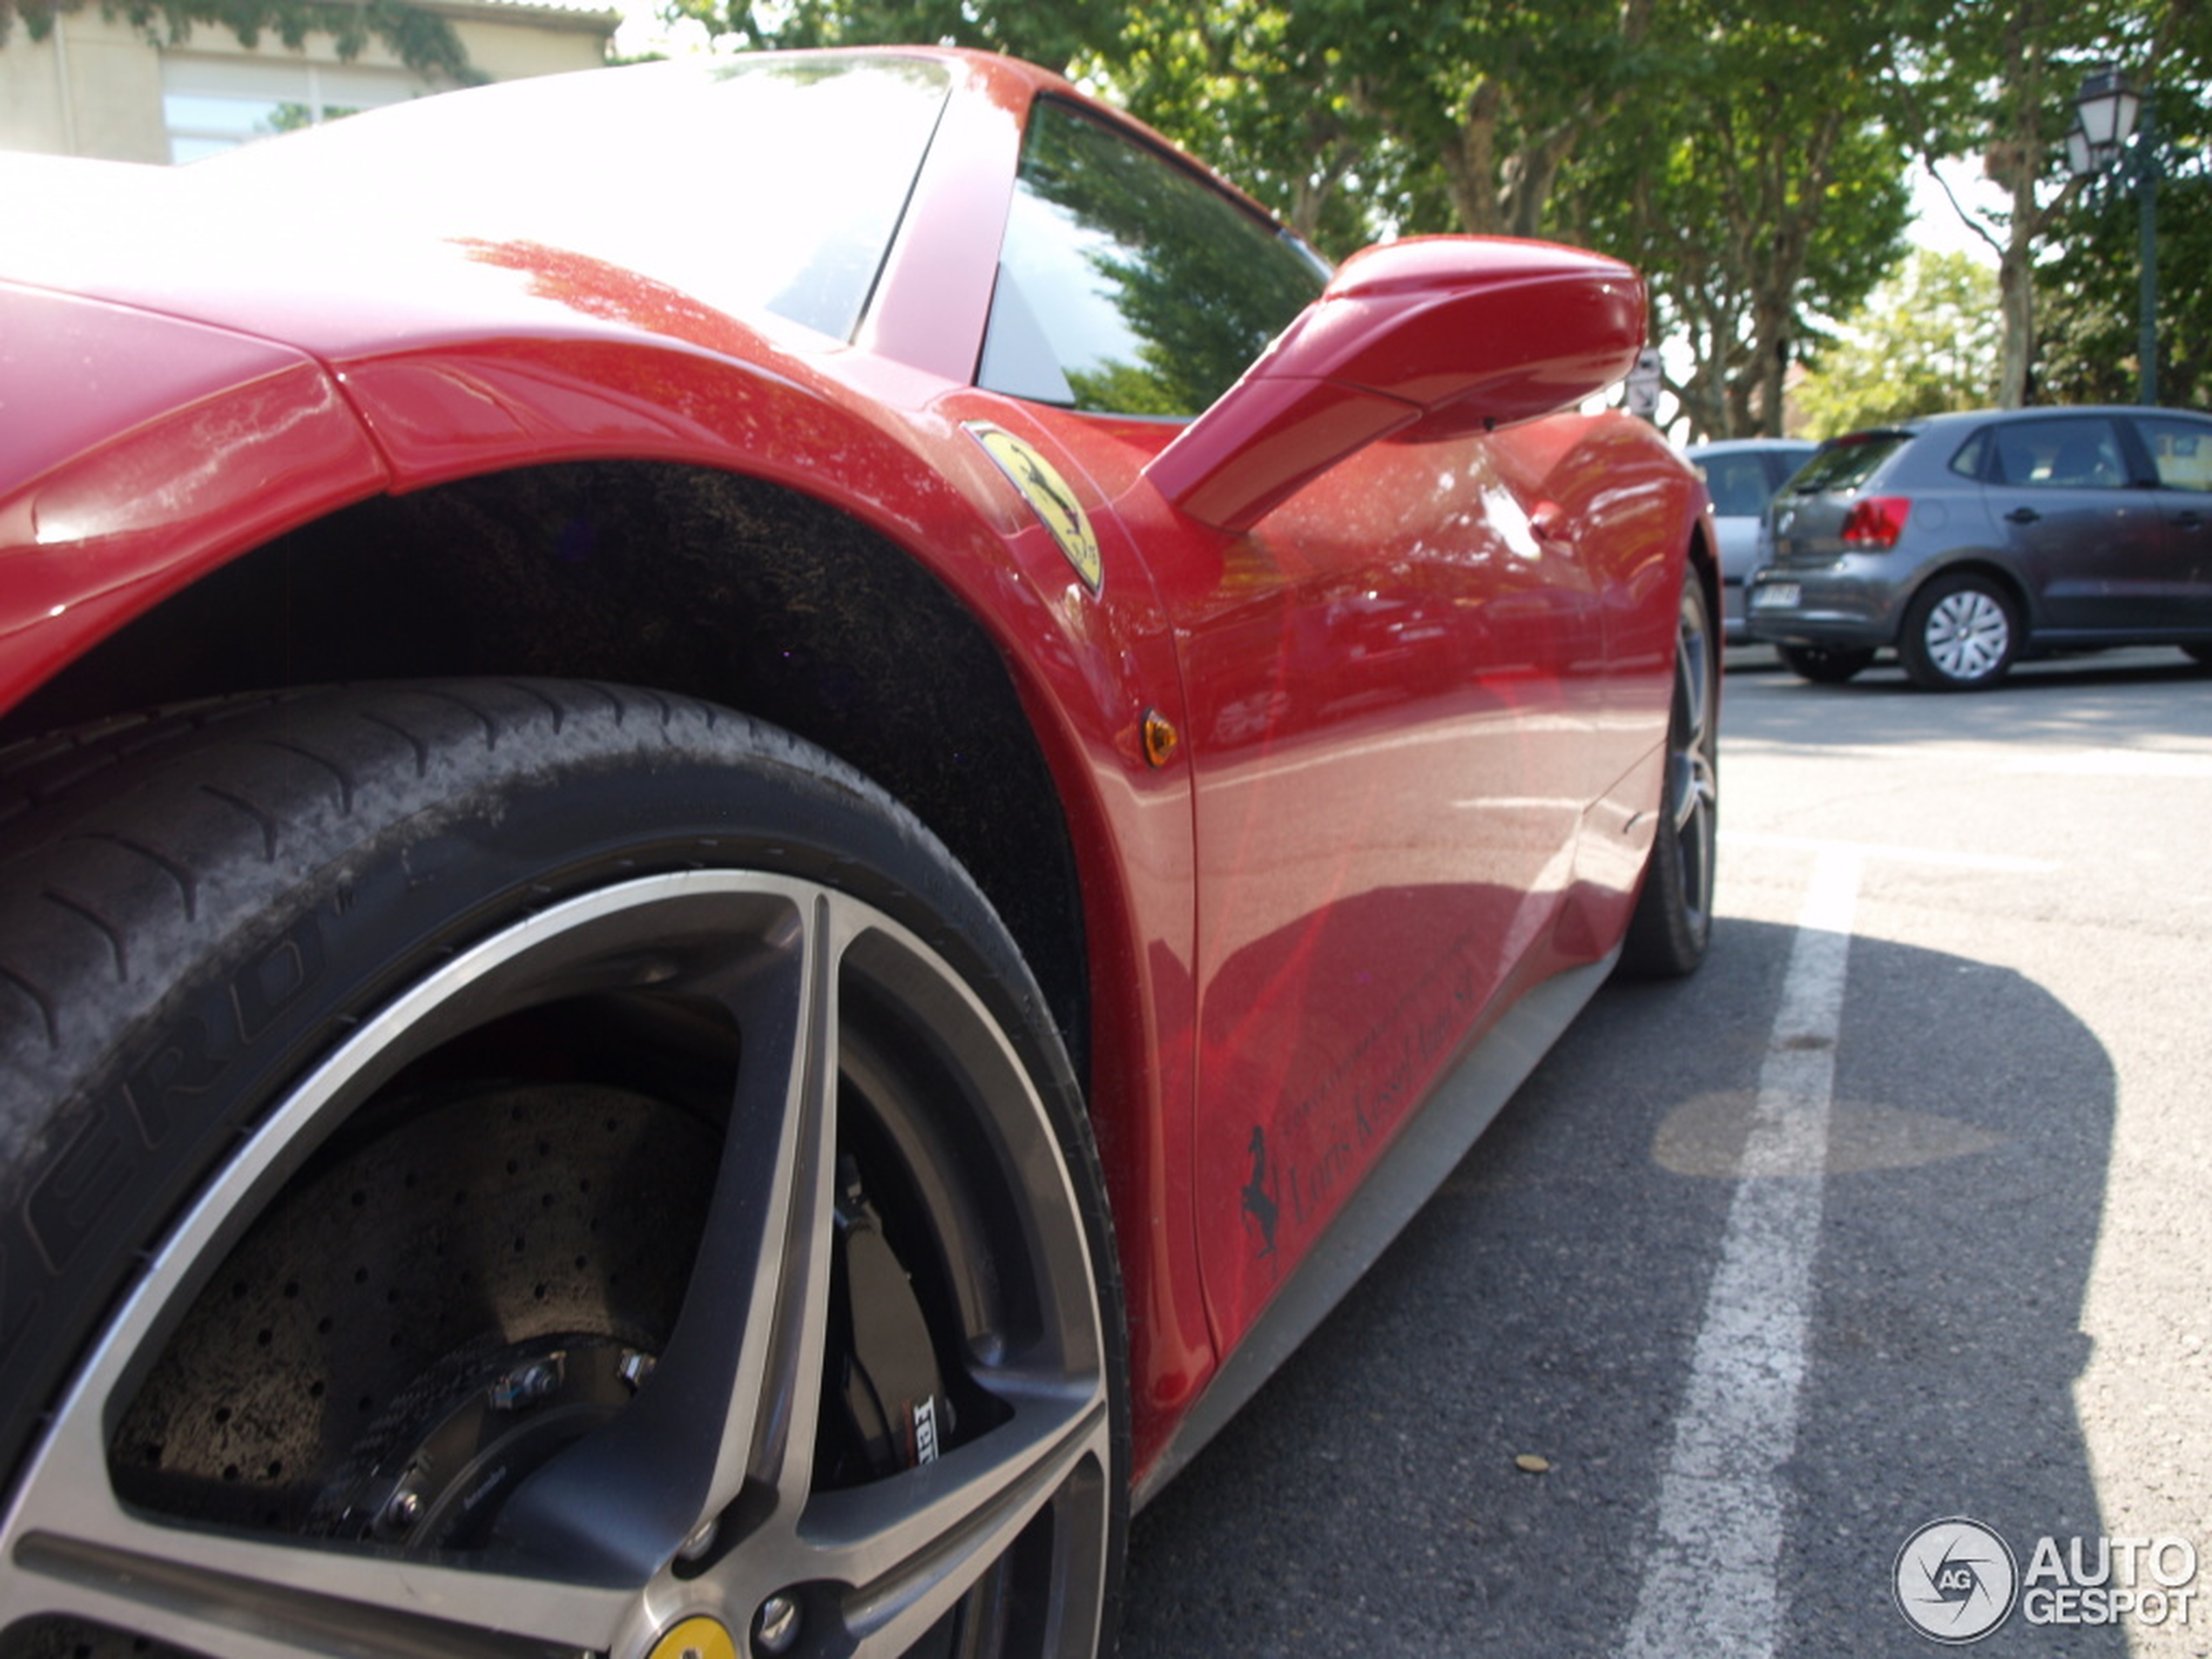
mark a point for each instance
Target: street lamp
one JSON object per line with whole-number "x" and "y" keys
{"x": 2105, "y": 113}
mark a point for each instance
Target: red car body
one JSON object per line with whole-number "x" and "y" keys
{"x": 1356, "y": 734}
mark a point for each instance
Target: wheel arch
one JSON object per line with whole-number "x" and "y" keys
{"x": 1975, "y": 565}
{"x": 677, "y": 577}
{"x": 1705, "y": 569}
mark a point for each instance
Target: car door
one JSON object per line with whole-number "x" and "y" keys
{"x": 1382, "y": 681}
{"x": 2088, "y": 540}
{"x": 2179, "y": 450}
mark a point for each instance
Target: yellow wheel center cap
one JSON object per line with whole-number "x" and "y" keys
{"x": 700, "y": 1638}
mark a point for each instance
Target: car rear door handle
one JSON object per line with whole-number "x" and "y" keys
{"x": 2022, "y": 516}
{"x": 2190, "y": 521}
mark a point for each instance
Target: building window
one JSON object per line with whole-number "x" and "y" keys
{"x": 211, "y": 103}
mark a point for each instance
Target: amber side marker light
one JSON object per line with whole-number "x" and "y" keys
{"x": 1161, "y": 740}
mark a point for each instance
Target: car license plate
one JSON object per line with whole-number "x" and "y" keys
{"x": 1775, "y": 595}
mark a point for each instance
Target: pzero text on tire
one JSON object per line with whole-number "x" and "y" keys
{"x": 516, "y": 1168}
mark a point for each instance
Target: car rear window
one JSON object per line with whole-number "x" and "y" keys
{"x": 1847, "y": 463}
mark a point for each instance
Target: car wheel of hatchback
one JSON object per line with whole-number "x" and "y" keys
{"x": 533, "y": 1168}
{"x": 1961, "y": 633}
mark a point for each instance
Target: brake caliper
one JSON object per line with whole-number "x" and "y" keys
{"x": 892, "y": 1389}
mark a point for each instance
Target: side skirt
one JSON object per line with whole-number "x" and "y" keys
{"x": 1426, "y": 1152}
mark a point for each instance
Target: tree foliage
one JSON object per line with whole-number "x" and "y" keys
{"x": 1997, "y": 80}
{"x": 1050, "y": 32}
{"x": 1263, "y": 93}
{"x": 1928, "y": 339}
{"x": 2090, "y": 319}
{"x": 1433, "y": 114}
{"x": 420, "y": 38}
{"x": 1754, "y": 180}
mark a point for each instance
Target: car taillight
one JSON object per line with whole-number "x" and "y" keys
{"x": 1878, "y": 522}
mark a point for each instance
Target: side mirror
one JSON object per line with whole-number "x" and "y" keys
{"x": 1428, "y": 337}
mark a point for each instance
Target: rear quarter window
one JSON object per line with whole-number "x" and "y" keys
{"x": 2181, "y": 450}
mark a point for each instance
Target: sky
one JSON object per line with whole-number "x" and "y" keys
{"x": 1936, "y": 224}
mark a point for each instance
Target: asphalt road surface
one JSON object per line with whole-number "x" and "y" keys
{"x": 1900, "y": 1211}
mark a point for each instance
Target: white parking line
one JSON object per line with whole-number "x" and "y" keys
{"x": 1709, "y": 1584}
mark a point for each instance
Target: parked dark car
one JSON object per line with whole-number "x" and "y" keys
{"x": 1966, "y": 541}
{"x": 1742, "y": 476}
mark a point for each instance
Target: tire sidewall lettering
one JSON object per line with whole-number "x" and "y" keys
{"x": 134, "y": 1145}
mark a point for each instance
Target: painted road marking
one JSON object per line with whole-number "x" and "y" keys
{"x": 1710, "y": 1586}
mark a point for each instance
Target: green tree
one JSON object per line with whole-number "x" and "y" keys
{"x": 1928, "y": 339}
{"x": 1050, "y": 32}
{"x": 1498, "y": 94}
{"x": 1353, "y": 119}
{"x": 1260, "y": 92}
{"x": 423, "y": 39}
{"x": 1753, "y": 179}
{"x": 2090, "y": 315}
{"x": 1995, "y": 80}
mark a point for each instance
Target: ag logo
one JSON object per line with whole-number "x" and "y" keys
{"x": 1048, "y": 496}
{"x": 1955, "y": 1580}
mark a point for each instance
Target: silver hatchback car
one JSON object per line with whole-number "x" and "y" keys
{"x": 1741, "y": 477}
{"x": 1964, "y": 541}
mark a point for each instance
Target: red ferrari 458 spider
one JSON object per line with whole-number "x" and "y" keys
{"x": 755, "y": 815}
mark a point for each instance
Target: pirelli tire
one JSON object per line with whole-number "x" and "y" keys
{"x": 495, "y": 1168}
{"x": 1671, "y": 929}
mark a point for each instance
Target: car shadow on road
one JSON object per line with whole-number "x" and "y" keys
{"x": 1545, "y": 1302}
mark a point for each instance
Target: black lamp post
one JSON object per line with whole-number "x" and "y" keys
{"x": 2105, "y": 115}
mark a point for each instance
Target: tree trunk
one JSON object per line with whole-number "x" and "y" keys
{"x": 2016, "y": 300}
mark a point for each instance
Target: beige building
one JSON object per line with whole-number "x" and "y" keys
{"x": 95, "y": 87}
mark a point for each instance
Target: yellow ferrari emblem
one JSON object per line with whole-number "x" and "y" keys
{"x": 1048, "y": 496}
{"x": 696, "y": 1639}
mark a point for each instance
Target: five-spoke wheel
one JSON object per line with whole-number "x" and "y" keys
{"x": 532, "y": 1170}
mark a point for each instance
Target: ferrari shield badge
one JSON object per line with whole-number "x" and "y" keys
{"x": 1048, "y": 496}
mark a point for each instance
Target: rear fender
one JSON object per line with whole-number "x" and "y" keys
{"x": 155, "y": 450}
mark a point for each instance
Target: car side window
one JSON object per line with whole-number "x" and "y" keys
{"x": 1128, "y": 285}
{"x": 1973, "y": 456}
{"x": 1738, "y": 485}
{"x": 2181, "y": 450}
{"x": 2082, "y": 453}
